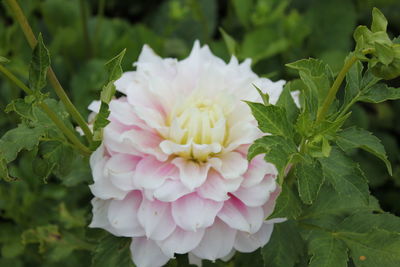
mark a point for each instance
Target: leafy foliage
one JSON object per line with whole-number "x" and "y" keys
{"x": 333, "y": 220}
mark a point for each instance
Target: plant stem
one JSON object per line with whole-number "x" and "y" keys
{"x": 85, "y": 28}
{"x": 52, "y": 115}
{"x": 99, "y": 19}
{"x": 26, "y": 28}
{"x": 335, "y": 87}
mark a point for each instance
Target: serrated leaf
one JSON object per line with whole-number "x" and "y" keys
{"x": 288, "y": 204}
{"x": 309, "y": 180}
{"x": 229, "y": 42}
{"x": 39, "y": 66}
{"x": 353, "y": 137}
{"x": 384, "y": 53}
{"x": 17, "y": 139}
{"x": 379, "y": 93}
{"x": 326, "y": 250}
{"x": 114, "y": 71}
{"x": 374, "y": 248}
{"x": 286, "y": 101}
{"x": 285, "y": 246}
{"x": 345, "y": 176}
{"x": 379, "y": 22}
{"x": 271, "y": 119}
{"x": 278, "y": 151}
{"x": 112, "y": 251}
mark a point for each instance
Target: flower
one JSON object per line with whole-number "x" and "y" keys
{"x": 172, "y": 171}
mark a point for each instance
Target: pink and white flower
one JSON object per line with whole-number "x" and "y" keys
{"x": 172, "y": 171}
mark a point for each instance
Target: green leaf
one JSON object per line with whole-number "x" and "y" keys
{"x": 286, "y": 101}
{"x": 309, "y": 180}
{"x": 326, "y": 250}
{"x": 353, "y": 137}
{"x": 379, "y": 93}
{"x": 229, "y": 42}
{"x": 318, "y": 77}
{"x": 374, "y": 248}
{"x": 18, "y": 139}
{"x": 114, "y": 71}
{"x": 271, "y": 119}
{"x": 384, "y": 53}
{"x": 285, "y": 246}
{"x": 379, "y": 22}
{"x": 4, "y": 60}
{"x": 278, "y": 151}
{"x": 345, "y": 176}
{"x": 39, "y": 66}
{"x": 288, "y": 204}
{"x": 112, "y": 251}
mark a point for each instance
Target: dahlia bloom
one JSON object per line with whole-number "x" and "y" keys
{"x": 172, "y": 171}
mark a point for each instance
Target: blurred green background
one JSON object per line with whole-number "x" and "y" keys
{"x": 43, "y": 220}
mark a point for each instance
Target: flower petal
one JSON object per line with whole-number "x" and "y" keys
{"x": 120, "y": 169}
{"x": 257, "y": 170}
{"x": 217, "y": 188}
{"x": 246, "y": 242}
{"x": 171, "y": 190}
{"x": 146, "y": 253}
{"x": 156, "y": 219}
{"x": 181, "y": 241}
{"x": 257, "y": 195}
{"x": 151, "y": 173}
{"x": 217, "y": 242}
{"x": 192, "y": 212}
{"x": 230, "y": 165}
{"x": 122, "y": 215}
{"x": 237, "y": 215}
{"x": 192, "y": 174}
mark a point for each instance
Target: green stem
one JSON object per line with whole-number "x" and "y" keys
{"x": 85, "y": 31}
{"x": 26, "y": 28}
{"x": 99, "y": 19}
{"x": 335, "y": 87}
{"x": 52, "y": 115}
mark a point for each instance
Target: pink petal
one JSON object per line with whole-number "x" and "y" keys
{"x": 146, "y": 253}
{"x": 217, "y": 242}
{"x": 192, "y": 212}
{"x": 146, "y": 142}
{"x": 151, "y": 173}
{"x": 122, "y": 215}
{"x": 246, "y": 242}
{"x": 122, "y": 111}
{"x": 192, "y": 174}
{"x": 181, "y": 241}
{"x": 257, "y": 195}
{"x": 257, "y": 170}
{"x": 217, "y": 188}
{"x": 239, "y": 216}
{"x": 171, "y": 190}
{"x": 230, "y": 165}
{"x": 100, "y": 219}
{"x": 121, "y": 170}
{"x": 270, "y": 205}
{"x": 156, "y": 219}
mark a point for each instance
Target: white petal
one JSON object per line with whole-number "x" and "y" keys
{"x": 217, "y": 242}
{"x": 192, "y": 212}
{"x": 171, "y": 190}
{"x": 120, "y": 169}
{"x": 239, "y": 216}
{"x": 155, "y": 217}
{"x": 194, "y": 260}
{"x": 246, "y": 242}
{"x": 192, "y": 174}
{"x": 125, "y": 81}
{"x": 257, "y": 170}
{"x": 181, "y": 241}
{"x": 230, "y": 165}
{"x": 217, "y": 188}
{"x": 100, "y": 219}
{"x": 257, "y": 195}
{"x": 146, "y": 253}
{"x": 122, "y": 215}
{"x": 151, "y": 173}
